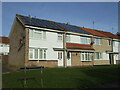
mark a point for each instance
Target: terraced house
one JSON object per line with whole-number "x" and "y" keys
{"x": 38, "y": 42}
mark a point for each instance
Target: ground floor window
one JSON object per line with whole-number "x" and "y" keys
{"x": 85, "y": 56}
{"x": 98, "y": 55}
{"x": 37, "y": 54}
{"x": 59, "y": 55}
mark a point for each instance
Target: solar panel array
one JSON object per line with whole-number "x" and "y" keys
{"x": 47, "y": 24}
{"x": 39, "y": 22}
{"x": 72, "y": 28}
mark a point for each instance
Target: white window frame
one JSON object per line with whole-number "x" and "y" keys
{"x": 86, "y": 56}
{"x": 44, "y": 54}
{"x": 109, "y": 42}
{"x": 68, "y": 38}
{"x": 85, "y": 40}
{"x": 100, "y": 56}
{"x": 60, "y": 55}
{"x": 98, "y": 41}
{"x": 60, "y": 36}
{"x": 32, "y": 33}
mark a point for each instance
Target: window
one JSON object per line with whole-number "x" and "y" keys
{"x": 44, "y": 54}
{"x": 98, "y": 41}
{"x": 59, "y": 36}
{"x": 31, "y": 33}
{"x": 40, "y": 54}
{"x": 59, "y": 55}
{"x": 109, "y": 43}
{"x": 37, "y": 34}
{"x": 98, "y": 55}
{"x": 85, "y": 40}
{"x": 86, "y": 56}
{"x": 31, "y": 53}
{"x": 67, "y": 38}
{"x": 37, "y": 54}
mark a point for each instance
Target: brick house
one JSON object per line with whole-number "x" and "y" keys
{"x": 38, "y": 42}
{"x": 4, "y": 49}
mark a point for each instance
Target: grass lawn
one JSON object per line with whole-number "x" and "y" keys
{"x": 81, "y": 77}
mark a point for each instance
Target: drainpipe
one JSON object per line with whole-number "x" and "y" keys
{"x": 92, "y": 42}
{"x": 64, "y": 52}
{"x": 112, "y": 51}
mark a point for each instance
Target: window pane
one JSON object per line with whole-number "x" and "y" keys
{"x": 31, "y": 53}
{"x": 59, "y": 36}
{"x": 36, "y": 53}
{"x": 40, "y": 53}
{"x": 44, "y": 54}
{"x": 82, "y": 56}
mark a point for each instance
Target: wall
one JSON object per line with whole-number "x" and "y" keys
{"x": 103, "y": 48}
{"x": 76, "y": 60}
{"x": 16, "y": 55}
{"x": 50, "y": 42}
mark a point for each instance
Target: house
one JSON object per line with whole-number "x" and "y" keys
{"x": 38, "y": 42}
{"x": 106, "y": 46}
{"x": 4, "y": 49}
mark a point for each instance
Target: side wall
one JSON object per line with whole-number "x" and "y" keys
{"x": 16, "y": 54}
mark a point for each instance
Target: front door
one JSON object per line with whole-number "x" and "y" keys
{"x": 60, "y": 58}
{"x": 68, "y": 58}
{"x": 111, "y": 58}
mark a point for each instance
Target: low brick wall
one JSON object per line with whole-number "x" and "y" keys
{"x": 45, "y": 63}
{"x": 117, "y": 61}
{"x": 101, "y": 62}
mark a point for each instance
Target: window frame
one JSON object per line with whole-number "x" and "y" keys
{"x": 100, "y": 56}
{"x": 86, "y": 56}
{"x": 44, "y": 52}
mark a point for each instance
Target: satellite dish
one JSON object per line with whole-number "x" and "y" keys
{"x": 23, "y": 35}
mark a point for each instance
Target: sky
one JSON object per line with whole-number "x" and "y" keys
{"x": 104, "y": 14}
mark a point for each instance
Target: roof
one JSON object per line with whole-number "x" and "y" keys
{"x": 4, "y": 40}
{"x": 32, "y": 21}
{"x": 78, "y": 46}
{"x": 100, "y": 33}
{"x": 28, "y": 20}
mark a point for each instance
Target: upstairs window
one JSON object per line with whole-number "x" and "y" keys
{"x": 67, "y": 38}
{"x": 37, "y": 34}
{"x": 97, "y": 41}
{"x": 84, "y": 40}
{"x": 59, "y": 37}
{"x": 109, "y": 42}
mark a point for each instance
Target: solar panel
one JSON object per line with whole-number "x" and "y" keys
{"x": 39, "y": 22}
{"x": 72, "y": 28}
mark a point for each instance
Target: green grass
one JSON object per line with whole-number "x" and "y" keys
{"x": 81, "y": 77}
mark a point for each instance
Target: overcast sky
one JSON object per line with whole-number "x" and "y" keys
{"x": 104, "y": 14}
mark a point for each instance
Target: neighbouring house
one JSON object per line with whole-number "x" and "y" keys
{"x": 4, "y": 49}
{"x": 106, "y": 47}
{"x": 38, "y": 42}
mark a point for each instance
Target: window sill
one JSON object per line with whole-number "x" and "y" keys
{"x": 87, "y": 61}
